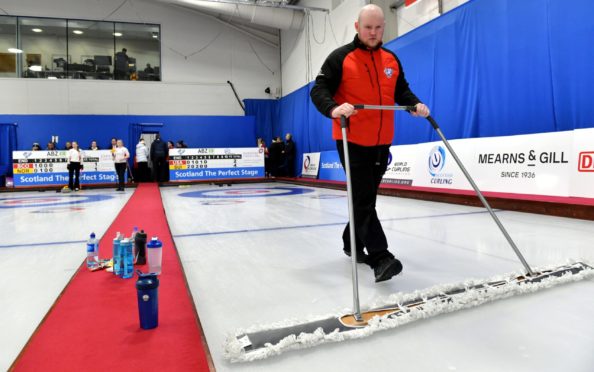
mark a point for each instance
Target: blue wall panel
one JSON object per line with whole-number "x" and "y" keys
{"x": 196, "y": 131}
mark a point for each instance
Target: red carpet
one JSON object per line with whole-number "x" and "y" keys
{"x": 94, "y": 325}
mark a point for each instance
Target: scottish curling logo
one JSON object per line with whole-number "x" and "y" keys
{"x": 437, "y": 158}
{"x": 389, "y": 72}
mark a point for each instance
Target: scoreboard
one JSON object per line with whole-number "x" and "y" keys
{"x": 215, "y": 163}
{"x": 44, "y": 168}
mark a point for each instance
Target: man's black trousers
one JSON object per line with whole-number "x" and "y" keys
{"x": 368, "y": 165}
{"x": 120, "y": 170}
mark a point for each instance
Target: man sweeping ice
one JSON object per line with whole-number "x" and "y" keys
{"x": 363, "y": 71}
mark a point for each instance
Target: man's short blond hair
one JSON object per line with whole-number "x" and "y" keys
{"x": 368, "y": 9}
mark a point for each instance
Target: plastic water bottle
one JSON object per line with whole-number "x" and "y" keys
{"x": 155, "y": 253}
{"x": 132, "y": 239}
{"x": 127, "y": 258}
{"x": 92, "y": 252}
{"x": 117, "y": 262}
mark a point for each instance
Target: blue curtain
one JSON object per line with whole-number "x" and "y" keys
{"x": 8, "y": 144}
{"x": 266, "y": 113}
{"x": 497, "y": 68}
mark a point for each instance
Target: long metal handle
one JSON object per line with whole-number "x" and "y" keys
{"x": 347, "y": 168}
{"x": 468, "y": 177}
{"x": 379, "y": 107}
{"x": 481, "y": 197}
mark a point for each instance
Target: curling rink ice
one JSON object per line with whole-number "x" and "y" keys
{"x": 42, "y": 244}
{"x": 263, "y": 253}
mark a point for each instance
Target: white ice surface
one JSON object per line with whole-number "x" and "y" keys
{"x": 266, "y": 259}
{"x": 41, "y": 247}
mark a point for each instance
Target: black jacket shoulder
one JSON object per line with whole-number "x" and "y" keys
{"x": 329, "y": 78}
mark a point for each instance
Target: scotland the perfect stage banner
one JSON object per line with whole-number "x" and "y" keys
{"x": 219, "y": 163}
{"x": 45, "y": 168}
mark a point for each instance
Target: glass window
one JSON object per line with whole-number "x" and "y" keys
{"x": 9, "y": 50}
{"x": 141, "y": 60}
{"x": 78, "y": 49}
{"x": 90, "y": 43}
{"x": 44, "y": 45}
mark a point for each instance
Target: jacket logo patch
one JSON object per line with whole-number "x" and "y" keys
{"x": 389, "y": 72}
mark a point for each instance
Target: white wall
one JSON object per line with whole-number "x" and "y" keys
{"x": 420, "y": 12}
{"x": 326, "y": 33}
{"x": 198, "y": 57}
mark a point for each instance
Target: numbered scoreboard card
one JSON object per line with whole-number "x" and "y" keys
{"x": 215, "y": 163}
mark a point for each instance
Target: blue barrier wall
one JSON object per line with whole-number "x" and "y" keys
{"x": 487, "y": 68}
{"x": 196, "y": 131}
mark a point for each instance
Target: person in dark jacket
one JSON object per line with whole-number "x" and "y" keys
{"x": 121, "y": 65}
{"x": 289, "y": 155}
{"x": 362, "y": 72}
{"x": 159, "y": 152}
{"x": 276, "y": 157}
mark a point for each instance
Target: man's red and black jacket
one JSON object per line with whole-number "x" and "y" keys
{"x": 358, "y": 75}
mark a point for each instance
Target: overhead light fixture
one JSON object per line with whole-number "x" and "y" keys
{"x": 117, "y": 34}
{"x": 78, "y": 32}
{"x": 52, "y": 78}
{"x": 35, "y": 68}
{"x": 155, "y": 35}
{"x": 15, "y": 50}
{"x": 37, "y": 30}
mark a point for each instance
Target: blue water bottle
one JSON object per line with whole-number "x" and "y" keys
{"x": 147, "y": 287}
{"x": 117, "y": 262}
{"x": 92, "y": 252}
{"x": 127, "y": 258}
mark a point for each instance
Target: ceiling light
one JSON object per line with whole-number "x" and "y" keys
{"x": 78, "y": 32}
{"x": 52, "y": 78}
{"x": 37, "y": 30}
{"x": 117, "y": 34}
{"x": 155, "y": 35}
{"x": 14, "y": 50}
{"x": 35, "y": 68}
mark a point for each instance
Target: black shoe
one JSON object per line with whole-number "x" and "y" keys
{"x": 386, "y": 269}
{"x": 361, "y": 256}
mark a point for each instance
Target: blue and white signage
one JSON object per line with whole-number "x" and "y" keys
{"x": 311, "y": 165}
{"x": 330, "y": 166}
{"x": 219, "y": 163}
{"x": 44, "y": 168}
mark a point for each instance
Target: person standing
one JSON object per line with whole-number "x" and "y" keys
{"x": 120, "y": 159}
{"x": 142, "y": 153}
{"x": 277, "y": 148}
{"x": 362, "y": 72}
{"x": 120, "y": 69}
{"x": 159, "y": 152}
{"x": 262, "y": 145}
{"x": 113, "y": 144}
{"x": 74, "y": 166}
{"x": 290, "y": 155}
